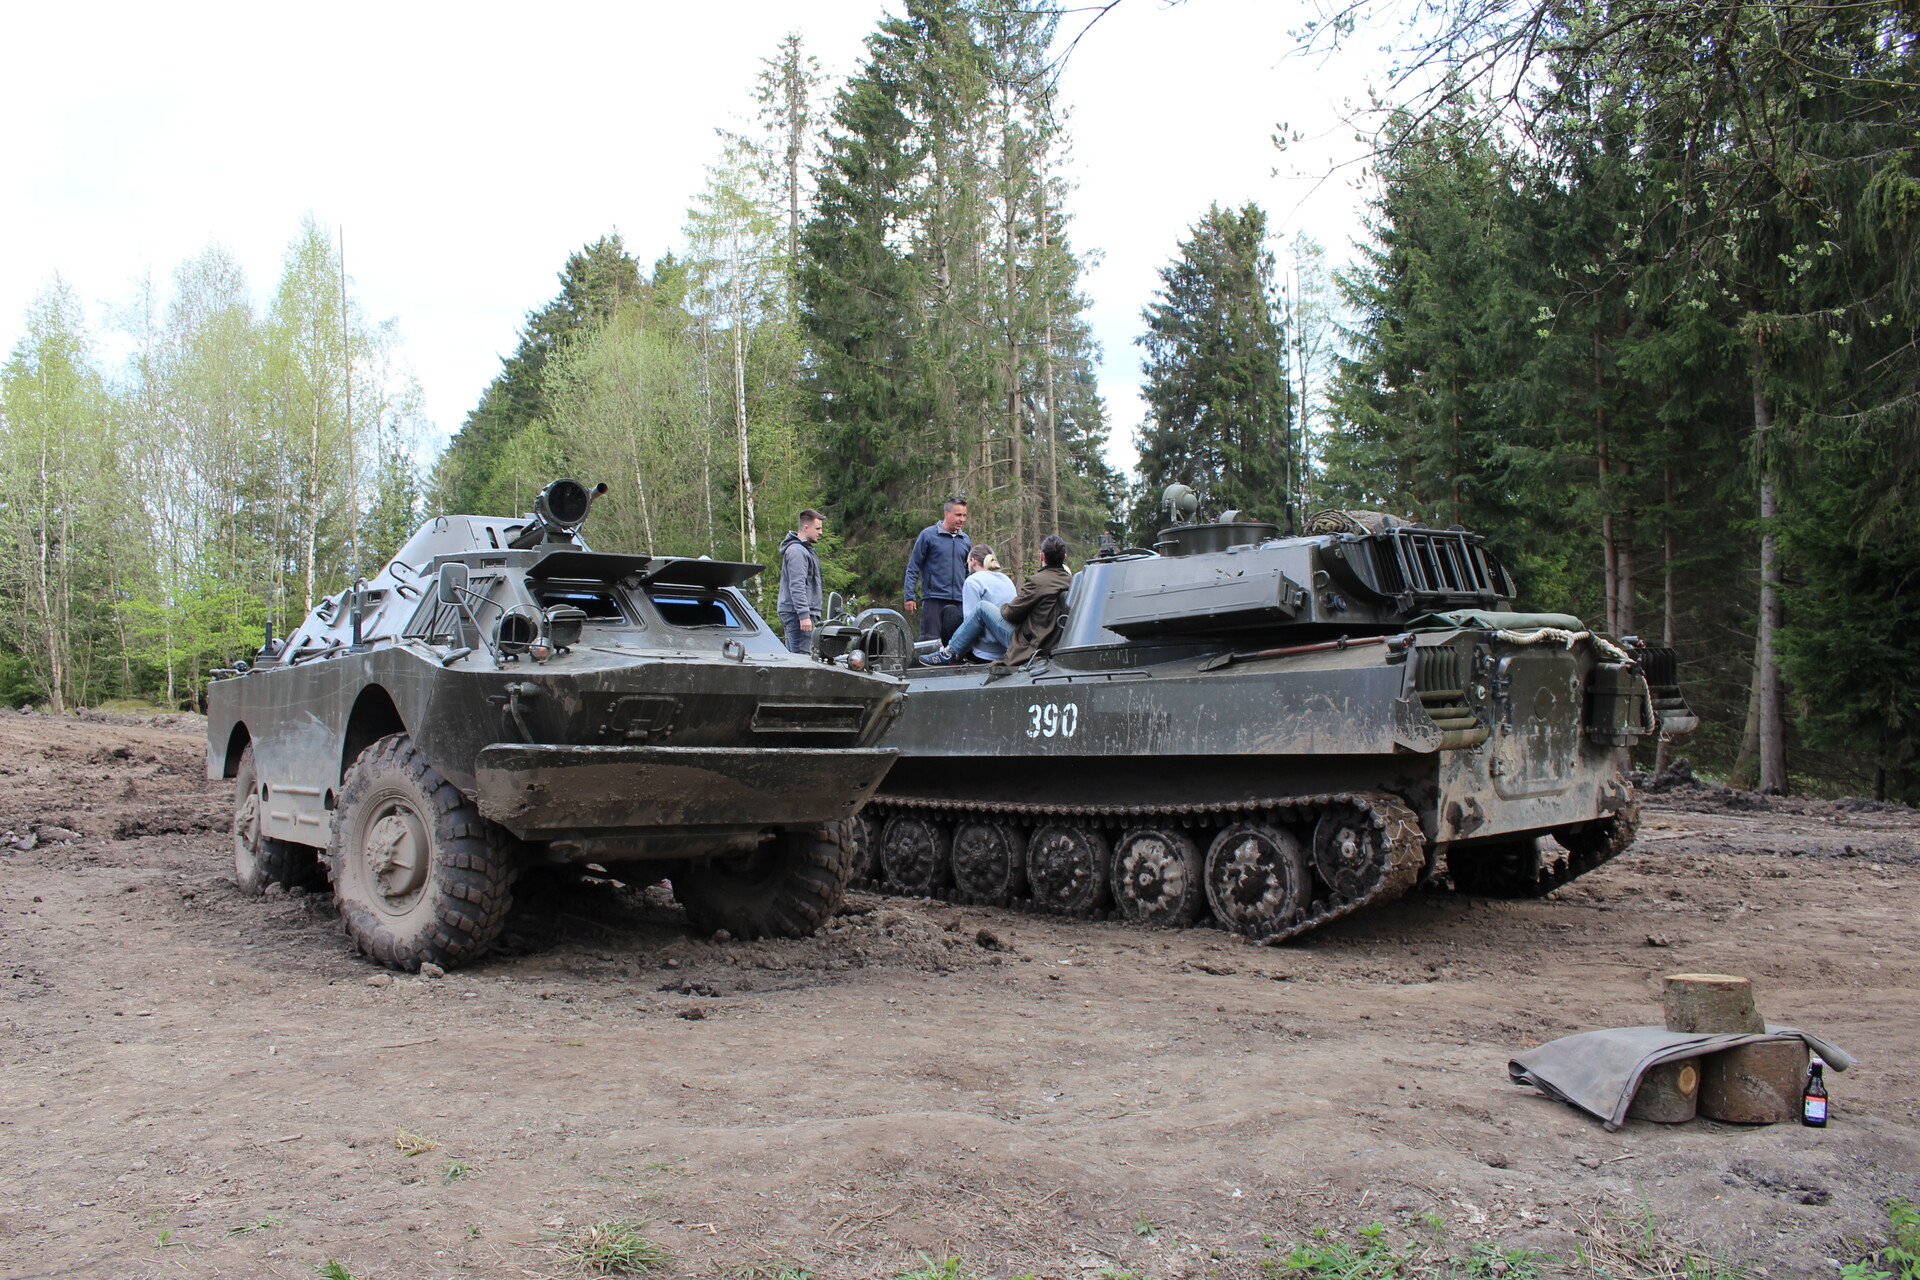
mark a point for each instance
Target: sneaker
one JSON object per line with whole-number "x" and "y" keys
{"x": 938, "y": 658}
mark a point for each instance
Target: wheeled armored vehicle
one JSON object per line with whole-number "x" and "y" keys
{"x": 1274, "y": 731}
{"x": 501, "y": 695}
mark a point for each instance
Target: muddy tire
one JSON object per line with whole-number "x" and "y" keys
{"x": 258, "y": 859}
{"x": 418, "y": 874}
{"x": 787, "y": 888}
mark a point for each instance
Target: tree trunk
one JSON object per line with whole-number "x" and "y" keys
{"x": 1773, "y": 737}
{"x": 1745, "y": 765}
{"x": 1663, "y": 748}
{"x": 750, "y": 519}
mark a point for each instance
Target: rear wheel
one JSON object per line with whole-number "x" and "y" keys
{"x": 419, "y": 875}
{"x": 258, "y": 859}
{"x": 786, "y": 888}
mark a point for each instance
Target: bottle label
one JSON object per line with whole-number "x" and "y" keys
{"x": 1815, "y": 1110}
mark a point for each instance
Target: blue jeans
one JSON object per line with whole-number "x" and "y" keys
{"x": 983, "y": 621}
{"x": 798, "y": 641}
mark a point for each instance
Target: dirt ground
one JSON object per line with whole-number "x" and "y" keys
{"x": 201, "y": 1084}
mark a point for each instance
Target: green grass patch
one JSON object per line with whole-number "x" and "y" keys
{"x": 1899, "y": 1258}
{"x": 412, "y": 1144}
{"x": 944, "y": 1269}
{"x": 610, "y": 1249}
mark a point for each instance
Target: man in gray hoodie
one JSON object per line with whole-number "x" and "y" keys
{"x": 800, "y": 597}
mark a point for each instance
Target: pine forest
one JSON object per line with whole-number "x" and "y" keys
{"x": 1638, "y": 298}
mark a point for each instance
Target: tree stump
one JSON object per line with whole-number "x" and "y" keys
{"x": 1669, "y": 1093}
{"x": 1754, "y": 1084}
{"x": 1710, "y": 1003}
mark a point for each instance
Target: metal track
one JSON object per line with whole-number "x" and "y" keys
{"x": 1405, "y": 843}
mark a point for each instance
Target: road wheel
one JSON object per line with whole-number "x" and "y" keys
{"x": 915, "y": 855}
{"x": 989, "y": 862}
{"x": 787, "y": 888}
{"x": 419, "y": 875}
{"x": 1257, "y": 878}
{"x": 258, "y": 859}
{"x": 1158, "y": 877}
{"x": 1068, "y": 869}
{"x": 865, "y": 831}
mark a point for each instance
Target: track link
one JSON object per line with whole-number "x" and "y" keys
{"x": 1404, "y": 842}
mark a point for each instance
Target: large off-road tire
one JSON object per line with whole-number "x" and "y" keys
{"x": 787, "y": 888}
{"x": 418, "y": 874}
{"x": 258, "y": 859}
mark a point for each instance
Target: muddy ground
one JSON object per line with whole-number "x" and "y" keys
{"x": 201, "y": 1084}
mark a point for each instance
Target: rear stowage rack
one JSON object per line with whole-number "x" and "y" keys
{"x": 1438, "y": 567}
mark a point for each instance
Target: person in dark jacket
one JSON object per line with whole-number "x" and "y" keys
{"x": 1040, "y": 610}
{"x": 937, "y": 573}
{"x": 800, "y": 598}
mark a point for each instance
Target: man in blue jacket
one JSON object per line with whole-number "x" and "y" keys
{"x": 937, "y": 572}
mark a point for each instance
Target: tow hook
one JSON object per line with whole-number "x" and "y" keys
{"x": 515, "y": 692}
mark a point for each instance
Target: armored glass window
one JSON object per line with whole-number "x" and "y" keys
{"x": 600, "y": 604}
{"x": 690, "y": 608}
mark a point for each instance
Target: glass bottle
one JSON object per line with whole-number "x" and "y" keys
{"x": 1813, "y": 1100}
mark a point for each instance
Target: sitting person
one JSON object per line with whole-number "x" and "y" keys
{"x": 1040, "y": 610}
{"x": 983, "y": 634}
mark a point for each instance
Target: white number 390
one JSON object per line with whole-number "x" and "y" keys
{"x": 1050, "y": 719}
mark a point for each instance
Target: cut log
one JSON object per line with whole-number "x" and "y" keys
{"x": 1754, "y": 1084}
{"x": 1669, "y": 1093}
{"x": 1713, "y": 1003}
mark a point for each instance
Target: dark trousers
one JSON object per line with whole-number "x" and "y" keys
{"x": 797, "y": 641}
{"x": 939, "y": 619}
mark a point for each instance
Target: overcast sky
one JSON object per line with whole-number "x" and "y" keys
{"x": 464, "y": 152}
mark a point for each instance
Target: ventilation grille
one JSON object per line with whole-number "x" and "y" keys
{"x": 809, "y": 717}
{"x": 1440, "y": 676}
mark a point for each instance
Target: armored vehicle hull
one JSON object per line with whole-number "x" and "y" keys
{"x": 1273, "y": 732}
{"x": 500, "y": 696}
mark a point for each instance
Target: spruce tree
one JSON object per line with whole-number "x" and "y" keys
{"x": 481, "y": 470}
{"x": 1216, "y": 375}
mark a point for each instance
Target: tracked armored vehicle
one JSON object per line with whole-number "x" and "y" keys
{"x": 1274, "y": 731}
{"x": 502, "y": 696}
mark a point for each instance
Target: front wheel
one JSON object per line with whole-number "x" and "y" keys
{"x": 418, "y": 874}
{"x": 787, "y": 888}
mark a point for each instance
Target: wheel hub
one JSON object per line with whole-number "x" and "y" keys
{"x": 395, "y": 849}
